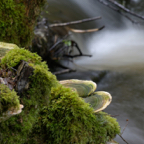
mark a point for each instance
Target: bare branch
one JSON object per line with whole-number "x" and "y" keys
{"x": 85, "y": 31}
{"x": 78, "y": 55}
{"x": 64, "y": 71}
{"x": 123, "y": 132}
{"x": 125, "y": 9}
{"x": 118, "y": 10}
{"x": 123, "y": 139}
{"x": 124, "y": 128}
{"x": 74, "y": 22}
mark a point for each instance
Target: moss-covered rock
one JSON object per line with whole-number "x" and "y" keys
{"x": 16, "y": 129}
{"x": 13, "y": 57}
{"x": 52, "y": 114}
{"x": 68, "y": 119}
{"x": 17, "y": 20}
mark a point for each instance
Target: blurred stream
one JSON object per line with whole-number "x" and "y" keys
{"x": 118, "y": 49}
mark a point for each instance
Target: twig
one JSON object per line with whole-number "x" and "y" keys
{"x": 125, "y": 9}
{"x": 124, "y": 128}
{"x": 13, "y": 69}
{"x": 64, "y": 71}
{"x": 74, "y": 22}
{"x": 115, "y": 9}
{"x": 78, "y": 55}
{"x": 74, "y": 44}
{"x": 85, "y": 31}
{"x": 58, "y": 42}
{"x": 123, "y": 132}
{"x": 123, "y": 139}
{"x": 60, "y": 50}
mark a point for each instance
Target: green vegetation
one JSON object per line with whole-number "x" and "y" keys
{"x": 13, "y": 57}
{"x": 52, "y": 113}
{"x": 16, "y": 129}
{"x": 17, "y": 20}
{"x": 8, "y": 99}
{"x": 68, "y": 119}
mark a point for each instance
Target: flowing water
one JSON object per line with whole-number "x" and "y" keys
{"x": 119, "y": 48}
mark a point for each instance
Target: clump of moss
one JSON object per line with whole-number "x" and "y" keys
{"x": 68, "y": 119}
{"x": 8, "y": 99}
{"x": 13, "y": 57}
{"x": 52, "y": 114}
{"x": 106, "y": 128}
{"x": 17, "y": 20}
{"x": 16, "y": 129}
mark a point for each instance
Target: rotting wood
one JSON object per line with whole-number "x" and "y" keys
{"x": 24, "y": 71}
{"x": 17, "y": 79}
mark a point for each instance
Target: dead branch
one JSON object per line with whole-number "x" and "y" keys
{"x": 78, "y": 55}
{"x": 121, "y": 7}
{"x": 64, "y": 71}
{"x": 74, "y": 44}
{"x": 74, "y": 22}
{"x": 123, "y": 132}
{"x": 58, "y": 42}
{"x": 124, "y": 128}
{"x": 85, "y": 31}
{"x": 125, "y": 9}
{"x": 123, "y": 139}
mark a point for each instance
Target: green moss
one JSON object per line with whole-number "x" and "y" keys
{"x": 106, "y": 128}
{"x": 8, "y": 98}
{"x": 52, "y": 114}
{"x": 68, "y": 119}
{"x": 17, "y": 20}
{"x": 13, "y": 57}
{"x": 16, "y": 129}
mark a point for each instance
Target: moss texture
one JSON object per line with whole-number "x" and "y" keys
{"x": 17, "y": 20}
{"x": 52, "y": 114}
{"x": 8, "y": 99}
{"x": 68, "y": 119}
{"x": 16, "y": 129}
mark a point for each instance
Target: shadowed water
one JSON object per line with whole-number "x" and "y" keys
{"x": 119, "y": 48}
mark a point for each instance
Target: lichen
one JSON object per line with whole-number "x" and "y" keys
{"x": 17, "y": 20}
{"x": 68, "y": 119}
